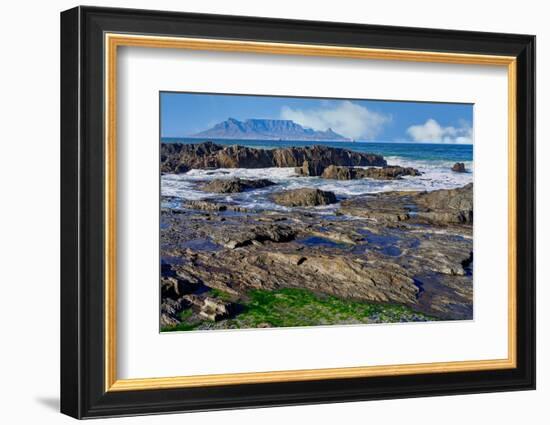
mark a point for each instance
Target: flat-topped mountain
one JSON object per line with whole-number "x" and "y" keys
{"x": 267, "y": 129}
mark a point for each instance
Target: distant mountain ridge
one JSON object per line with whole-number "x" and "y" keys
{"x": 267, "y": 129}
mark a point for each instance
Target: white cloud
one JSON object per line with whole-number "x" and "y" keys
{"x": 346, "y": 118}
{"x": 431, "y": 131}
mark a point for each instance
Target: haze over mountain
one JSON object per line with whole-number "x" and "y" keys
{"x": 266, "y": 129}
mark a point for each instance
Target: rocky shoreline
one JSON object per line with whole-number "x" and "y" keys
{"x": 386, "y": 257}
{"x": 180, "y": 158}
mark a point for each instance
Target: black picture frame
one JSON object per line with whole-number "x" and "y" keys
{"x": 83, "y": 392}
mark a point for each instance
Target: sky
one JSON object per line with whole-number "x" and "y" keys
{"x": 184, "y": 114}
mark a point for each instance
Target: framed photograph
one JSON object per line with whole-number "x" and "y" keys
{"x": 261, "y": 212}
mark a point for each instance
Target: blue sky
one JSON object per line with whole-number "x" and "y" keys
{"x": 184, "y": 114}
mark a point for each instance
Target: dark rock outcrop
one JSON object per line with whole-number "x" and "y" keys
{"x": 390, "y": 172}
{"x": 176, "y": 157}
{"x": 448, "y": 206}
{"x": 268, "y": 268}
{"x": 304, "y": 198}
{"x": 310, "y": 169}
{"x": 213, "y": 206}
{"x": 235, "y": 185}
{"x": 176, "y": 283}
{"x": 172, "y": 287}
{"x": 389, "y": 207}
{"x": 209, "y": 308}
{"x": 382, "y": 255}
{"x": 169, "y": 311}
{"x": 245, "y": 236}
{"x": 445, "y": 206}
{"x": 340, "y": 173}
{"x": 458, "y": 167}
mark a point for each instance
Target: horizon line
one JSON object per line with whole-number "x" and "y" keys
{"x": 212, "y": 139}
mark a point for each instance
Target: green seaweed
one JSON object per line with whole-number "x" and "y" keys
{"x": 222, "y": 295}
{"x": 299, "y": 307}
{"x": 292, "y": 307}
{"x": 180, "y": 327}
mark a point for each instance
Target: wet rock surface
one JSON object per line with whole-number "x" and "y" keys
{"x": 410, "y": 249}
{"x": 390, "y": 172}
{"x": 458, "y": 167}
{"x": 235, "y": 185}
{"x": 445, "y": 206}
{"x": 213, "y": 206}
{"x": 448, "y": 206}
{"x": 237, "y": 236}
{"x": 304, "y": 198}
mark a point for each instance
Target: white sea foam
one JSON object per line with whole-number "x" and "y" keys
{"x": 435, "y": 175}
{"x": 274, "y": 174}
{"x": 175, "y": 186}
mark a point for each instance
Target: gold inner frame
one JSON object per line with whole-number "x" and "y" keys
{"x": 113, "y": 41}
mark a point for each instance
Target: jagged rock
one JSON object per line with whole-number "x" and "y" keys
{"x": 211, "y": 155}
{"x": 330, "y": 273}
{"x": 180, "y": 169}
{"x": 304, "y": 198}
{"x": 390, "y": 172}
{"x": 213, "y": 206}
{"x": 175, "y": 283}
{"x": 209, "y": 308}
{"x": 193, "y": 300}
{"x": 169, "y": 311}
{"x": 448, "y": 206}
{"x": 408, "y": 248}
{"x": 172, "y": 287}
{"x": 235, "y": 185}
{"x": 459, "y": 167}
{"x": 214, "y": 310}
{"x": 186, "y": 277}
{"x": 387, "y": 207}
{"x": 310, "y": 169}
{"x": 168, "y": 321}
{"x": 339, "y": 173}
{"x": 445, "y": 206}
{"x": 206, "y": 206}
{"x": 236, "y": 238}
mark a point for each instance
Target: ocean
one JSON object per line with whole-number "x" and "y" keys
{"x": 433, "y": 160}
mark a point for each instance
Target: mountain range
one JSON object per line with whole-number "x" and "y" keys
{"x": 266, "y": 129}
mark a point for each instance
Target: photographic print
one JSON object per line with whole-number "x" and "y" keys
{"x": 280, "y": 211}
{"x": 323, "y": 222}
